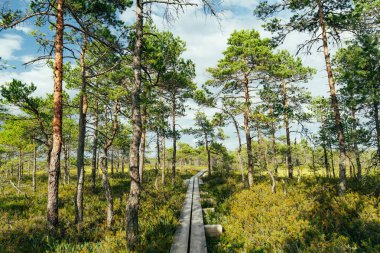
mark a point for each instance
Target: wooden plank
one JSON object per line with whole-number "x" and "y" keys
{"x": 214, "y": 231}
{"x": 200, "y": 173}
{"x": 181, "y": 236}
{"x": 197, "y": 236}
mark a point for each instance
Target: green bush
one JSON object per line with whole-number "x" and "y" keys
{"x": 309, "y": 218}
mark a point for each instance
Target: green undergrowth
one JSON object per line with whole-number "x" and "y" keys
{"x": 22, "y": 219}
{"x": 309, "y": 218}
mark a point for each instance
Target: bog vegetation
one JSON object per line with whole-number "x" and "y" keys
{"x": 98, "y": 165}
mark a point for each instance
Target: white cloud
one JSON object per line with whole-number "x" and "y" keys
{"x": 240, "y": 3}
{"x": 9, "y": 43}
{"x": 129, "y": 15}
{"x": 40, "y": 75}
{"x": 23, "y": 28}
{"x": 26, "y": 58}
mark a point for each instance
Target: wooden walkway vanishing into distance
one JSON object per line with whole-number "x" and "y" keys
{"x": 190, "y": 235}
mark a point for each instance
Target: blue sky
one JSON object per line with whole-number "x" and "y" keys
{"x": 205, "y": 36}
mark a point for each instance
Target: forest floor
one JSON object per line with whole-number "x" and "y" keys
{"x": 23, "y": 219}
{"x": 309, "y": 217}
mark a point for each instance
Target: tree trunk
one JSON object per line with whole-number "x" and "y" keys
{"x": 377, "y": 126}
{"x": 248, "y": 132}
{"x": 142, "y": 144}
{"x": 327, "y": 165}
{"x": 158, "y": 156}
{"x": 163, "y": 157}
{"x": 54, "y": 166}
{"x": 208, "y": 155}
{"x": 81, "y": 139}
{"x": 132, "y": 209}
{"x": 95, "y": 147}
{"x": 68, "y": 162}
{"x": 332, "y": 161}
{"x": 259, "y": 151}
{"x": 268, "y": 169}
{"x": 313, "y": 157}
{"x": 286, "y": 118}
{"x": 112, "y": 160}
{"x": 117, "y": 161}
{"x": 273, "y": 130}
{"x": 122, "y": 162}
{"x": 356, "y": 149}
{"x": 334, "y": 103}
{"x": 239, "y": 148}
{"x": 34, "y": 167}
{"x": 65, "y": 163}
{"x": 298, "y": 161}
{"x": 48, "y": 159}
{"x": 107, "y": 188}
{"x": 174, "y": 158}
{"x": 19, "y": 168}
{"x": 104, "y": 166}
{"x": 98, "y": 161}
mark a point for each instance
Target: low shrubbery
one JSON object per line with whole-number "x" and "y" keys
{"x": 309, "y": 218}
{"x": 22, "y": 220}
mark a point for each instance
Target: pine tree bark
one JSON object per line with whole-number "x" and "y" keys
{"x": 208, "y": 154}
{"x": 122, "y": 162}
{"x": 81, "y": 138}
{"x": 334, "y": 103}
{"x": 325, "y": 156}
{"x": 68, "y": 162}
{"x": 248, "y": 132}
{"x": 54, "y": 166}
{"x": 274, "y": 160}
{"x": 259, "y": 150}
{"x": 132, "y": 209}
{"x": 287, "y": 130}
{"x": 142, "y": 144}
{"x": 332, "y": 161}
{"x": 112, "y": 160}
{"x": 117, "y": 161}
{"x": 239, "y": 148}
{"x": 107, "y": 187}
{"x": 273, "y": 178}
{"x": 324, "y": 146}
{"x": 95, "y": 146}
{"x": 355, "y": 142}
{"x": 19, "y": 167}
{"x": 377, "y": 127}
{"x": 174, "y": 158}
{"x": 104, "y": 165}
{"x": 65, "y": 162}
{"x": 158, "y": 156}
{"x": 163, "y": 147}
{"x": 34, "y": 167}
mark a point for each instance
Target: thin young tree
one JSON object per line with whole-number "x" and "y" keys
{"x": 245, "y": 62}
{"x": 289, "y": 72}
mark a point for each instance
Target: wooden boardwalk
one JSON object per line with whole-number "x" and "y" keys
{"x": 190, "y": 235}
